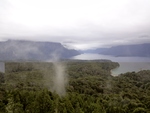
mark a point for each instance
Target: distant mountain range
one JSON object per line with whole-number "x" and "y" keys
{"x": 30, "y": 50}
{"x": 98, "y": 50}
{"x": 141, "y": 50}
{"x": 20, "y": 50}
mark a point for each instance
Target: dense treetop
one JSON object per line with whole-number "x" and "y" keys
{"x": 27, "y": 87}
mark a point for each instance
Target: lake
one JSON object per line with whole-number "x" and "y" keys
{"x": 127, "y": 64}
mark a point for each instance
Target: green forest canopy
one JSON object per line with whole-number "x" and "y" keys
{"x": 90, "y": 89}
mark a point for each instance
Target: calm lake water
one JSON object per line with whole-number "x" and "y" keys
{"x": 127, "y": 64}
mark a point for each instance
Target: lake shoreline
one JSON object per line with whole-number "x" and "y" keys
{"x": 126, "y": 64}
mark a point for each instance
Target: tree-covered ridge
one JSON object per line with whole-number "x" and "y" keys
{"x": 90, "y": 89}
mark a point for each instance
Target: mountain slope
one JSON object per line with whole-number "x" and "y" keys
{"x": 30, "y": 50}
{"x": 98, "y": 50}
{"x": 141, "y": 50}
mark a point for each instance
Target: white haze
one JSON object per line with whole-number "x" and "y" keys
{"x": 60, "y": 79}
{"x": 20, "y": 50}
{"x": 79, "y": 24}
{"x": 56, "y": 81}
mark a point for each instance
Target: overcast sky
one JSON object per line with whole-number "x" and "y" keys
{"x": 80, "y": 24}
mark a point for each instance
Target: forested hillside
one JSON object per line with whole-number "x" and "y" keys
{"x": 90, "y": 88}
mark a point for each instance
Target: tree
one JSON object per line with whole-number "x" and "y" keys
{"x": 43, "y": 103}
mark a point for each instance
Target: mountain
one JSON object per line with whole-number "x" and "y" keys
{"x": 141, "y": 50}
{"x": 30, "y": 50}
{"x": 98, "y": 50}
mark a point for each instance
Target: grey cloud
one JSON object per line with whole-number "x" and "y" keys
{"x": 127, "y": 24}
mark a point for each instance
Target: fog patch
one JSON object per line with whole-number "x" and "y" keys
{"x": 56, "y": 80}
{"x": 19, "y": 50}
{"x": 60, "y": 79}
